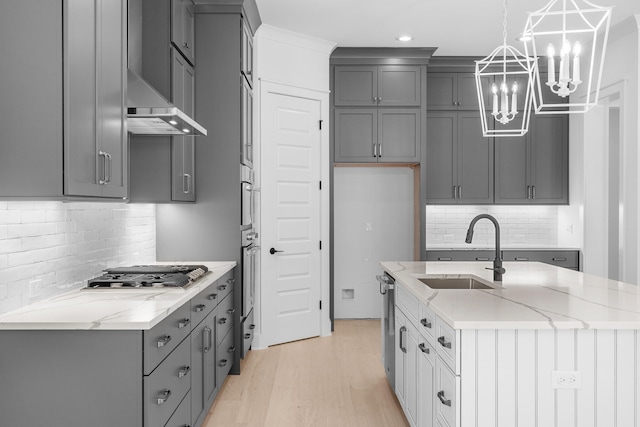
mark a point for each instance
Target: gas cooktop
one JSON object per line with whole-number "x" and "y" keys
{"x": 148, "y": 276}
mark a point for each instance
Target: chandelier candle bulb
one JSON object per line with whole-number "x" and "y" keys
{"x": 514, "y": 99}
{"x": 565, "y": 77}
{"x": 494, "y": 89}
{"x": 576, "y": 64}
{"x": 551, "y": 65}
{"x": 504, "y": 104}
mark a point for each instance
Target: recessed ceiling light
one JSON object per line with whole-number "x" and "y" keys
{"x": 404, "y": 38}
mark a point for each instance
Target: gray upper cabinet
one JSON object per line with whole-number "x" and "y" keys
{"x": 459, "y": 166}
{"x": 544, "y": 154}
{"x": 163, "y": 167}
{"x": 182, "y": 27}
{"x": 377, "y": 135}
{"x": 371, "y": 86}
{"x": 79, "y": 150}
{"x": 454, "y": 91}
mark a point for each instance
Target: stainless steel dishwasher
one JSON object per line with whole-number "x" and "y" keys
{"x": 387, "y": 323}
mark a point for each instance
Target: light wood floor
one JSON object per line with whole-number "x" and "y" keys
{"x": 335, "y": 381}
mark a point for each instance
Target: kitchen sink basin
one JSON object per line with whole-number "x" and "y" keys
{"x": 454, "y": 283}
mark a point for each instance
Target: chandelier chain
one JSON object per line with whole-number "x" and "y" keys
{"x": 504, "y": 21}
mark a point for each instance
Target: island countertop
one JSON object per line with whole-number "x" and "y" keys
{"x": 109, "y": 309}
{"x": 532, "y": 295}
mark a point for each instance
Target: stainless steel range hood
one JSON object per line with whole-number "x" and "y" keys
{"x": 149, "y": 113}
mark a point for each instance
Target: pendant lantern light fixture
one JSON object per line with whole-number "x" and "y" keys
{"x": 558, "y": 32}
{"x": 505, "y": 77}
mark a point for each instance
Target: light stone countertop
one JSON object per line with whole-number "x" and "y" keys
{"x": 107, "y": 309}
{"x": 533, "y": 296}
{"x": 491, "y": 247}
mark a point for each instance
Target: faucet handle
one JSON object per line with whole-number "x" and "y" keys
{"x": 499, "y": 270}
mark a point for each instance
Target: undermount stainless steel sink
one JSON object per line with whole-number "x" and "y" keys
{"x": 454, "y": 283}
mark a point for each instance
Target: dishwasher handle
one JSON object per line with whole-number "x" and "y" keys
{"x": 386, "y": 283}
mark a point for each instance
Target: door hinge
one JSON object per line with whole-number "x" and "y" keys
{"x": 320, "y": 124}
{"x": 320, "y": 245}
{"x": 320, "y": 305}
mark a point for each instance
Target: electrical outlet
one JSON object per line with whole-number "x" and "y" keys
{"x": 566, "y": 379}
{"x": 34, "y": 287}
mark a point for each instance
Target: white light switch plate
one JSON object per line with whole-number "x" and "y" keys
{"x": 566, "y": 379}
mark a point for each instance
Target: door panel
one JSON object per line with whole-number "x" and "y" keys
{"x": 510, "y": 175}
{"x": 549, "y": 159}
{"x": 291, "y": 218}
{"x": 399, "y": 85}
{"x": 442, "y": 167}
{"x": 356, "y": 132}
{"x": 356, "y": 86}
{"x": 399, "y": 135}
{"x": 475, "y": 161}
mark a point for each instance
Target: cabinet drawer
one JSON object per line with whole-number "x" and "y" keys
{"x": 408, "y": 303}
{"x": 447, "y": 345}
{"x": 224, "y": 358}
{"x": 182, "y": 416}
{"x": 203, "y": 303}
{"x": 427, "y": 323}
{"x": 567, "y": 259}
{"x": 225, "y": 285}
{"x": 224, "y": 321}
{"x": 247, "y": 333}
{"x": 447, "y": 386}
{"x": 167, "y": 385}
{"x": 160, "y": 340}
{"x": 461, "y": 255}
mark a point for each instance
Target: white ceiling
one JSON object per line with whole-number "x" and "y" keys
{"x": 455, "y": 27}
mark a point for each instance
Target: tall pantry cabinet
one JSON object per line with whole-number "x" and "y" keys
{"x": 63, "y": 82}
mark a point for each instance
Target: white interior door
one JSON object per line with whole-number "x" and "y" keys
{"x": 290, "y": 218}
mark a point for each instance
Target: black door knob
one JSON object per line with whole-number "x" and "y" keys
{"x": 273, "y": 251}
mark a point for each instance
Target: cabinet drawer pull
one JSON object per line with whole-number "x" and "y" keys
{"x": 222, "y": 287}
{"x": 444, "y": 342}
{"x": 164, "y": 341}
{"x": 184, "y": 371}
{"x": 482, "y": 258}
{"x": 423, "y": 348}
{"x": 445, "y": 258}
{"x": 252, "y": 326}
{"x": 222, "y": 321}
{"x": 521, "y": 259}
{"x": 559, "y": 259}
{"x": 164, "y": 396}
{"x": 446, "y": 402}
{"x": 425, "y": 323}
{"x": 247, "y": 336}
{"x": 184, "y": 322}
{"x": 223, "y": 363}
{"x": 403, "y": 329}
{"x": 186, "y": 179}
{"x": 212, "y": 296}
{"x": 206, "y": 347}
{"x": 231, "y": 349}
{"x": 231, "y": 281}
{"x": 231, "y": 311}
{"x": 200, "y": 307}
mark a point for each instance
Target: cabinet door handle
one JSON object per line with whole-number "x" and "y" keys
{"x": 375, "y": 99}
{"x": 208, "y": 334}
{"x": 459, "y": 191}
{"x": 164, "y": 341}
{"x": 184, "y": 322}
{"x": 375, "y": 150}
{"x": 443, "y": 342}
{"x": 380, "y": 150}
{"x": 184, "y": 371}
{"x": 425, "y": 323}
{"x": 423, "y": 348}
{"x": 247, "y": 336}
{"x": 200, "y": 307}
{"x": 186, "y": 45}
{"x": 455, "y": 191}
{"x": 446, "y": 402}
{"x": 222, "y": 287}
{"x": 186, "y": 179}
{"x": 223, "y": 363}
{"x": 222, "y": 321}
{"x": 252, "y": 326}
{"x": 212, "y": 296}
{"x": 402, "y": 331}
{"x": 559, "y": 259}
{"x": 231, "y": 311}
{"x": 164, "y": 396}
{"x": 528, "y": 191}
{"x": 533, "y": 191}
{"x": 103, "y": 154}
{"x": 231, "y": 349}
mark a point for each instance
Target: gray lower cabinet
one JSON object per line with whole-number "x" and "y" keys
{"x": 377, "y": 135}
{"x": 544, "y": 152}
{"x": 166, "y": 376}
{"x": 78, "y": 147}
{"x": 561, "y": 258}
{"x": 459, "y": 159}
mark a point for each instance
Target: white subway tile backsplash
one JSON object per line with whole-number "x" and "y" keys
{"x": 51, "y": 247}
{"x": 520, "y": 225}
